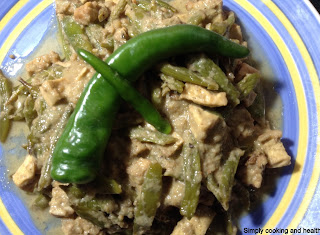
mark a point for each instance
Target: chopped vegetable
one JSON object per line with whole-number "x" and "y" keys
{"x": 192, "y": 179}
{"x": 5, "y": 93}
{"x": 206, "y": 67}
{"x": 78, "y": 152}
{"x": 185, "y": 75}
{"x": 247, "y": 84}
{"x": 127, "y": 92}
{"x": 220, "y": 183}
{"x": 149, "y": 199}
{"x": 147, "y": 135}
{"x": 75, "y": 34}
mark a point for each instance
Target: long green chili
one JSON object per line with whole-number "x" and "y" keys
{"x": 78, "y": 153}
{"x": 127, "y": 92}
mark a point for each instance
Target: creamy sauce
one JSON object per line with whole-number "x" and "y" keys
{"x": 14, "y": 153}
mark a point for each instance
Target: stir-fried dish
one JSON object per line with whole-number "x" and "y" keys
{"x": 164, "y": 138}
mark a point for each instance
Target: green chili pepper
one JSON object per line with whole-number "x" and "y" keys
{"x": 78, "y": 153}
{"x": 127, "y": 92}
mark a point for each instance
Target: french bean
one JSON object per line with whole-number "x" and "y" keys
{"x": 258, "y": 108}
{"x": 63, "y": 41}
{"x": 135, "y": 17}
{"x": 192, "y": 179}
{"x": 75, "y": 34}
{"x": 220, "y": 183}
{"x": 104, "y": 185}
{"x": 118, "y": 10}
{"x": 29, "y": 112}
{"x": 172, "y": 83}
{"x": 128, "y": 92}
{"x": 5, "y": 93}
{"x": 247, "y": 84}
{"x": 206, "y": 67}
{"x": 185, "y": 75}
{"x": 197, "y": 19}
{"x": 147, "y": 5}
{"x": 222, "y": 27}
{"x": 95, "y": 217}
{"x": 73, "y": 191}
{"x": 41, "y": 201}
{"x": 156, "y": 96}
{"x": 145, "y": 135}
{"x": 149, "y": 199}
{"x": 45, "y": 177}
{"x": 94, "y": 210}
{"x": 78, "y": 153}
{"x": 94, "y": 32}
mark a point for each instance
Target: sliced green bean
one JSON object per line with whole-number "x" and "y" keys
{"x": 173, "y": 84}
{"x": 220, "y": 183}
{"x": 29, "y": 112}
{"x": 5, "y": 93}
{"x": 94, "y": 32}
{"x": 135, "y": 17}
{"x": 97, "y": 203}
{"x": 33, "y": 90}
{"x": 75, "y": 34}
{"x": 104, "y": 185}
{"x": 206, "y": 67}
{"x": 117, "y": 11}
{"x": 247, "y": 84}
{"x": 156, "y": 96}
{"x": 95, "y": 217}
{"x": 149, "y": 199}
{"x": 64, "y": 41}
{"x": 192, "y": 179}
{"x": 147, "y": 5}
{"x": 41, "y": 201}
{"x": 74, "y": 191}
{"x": 185, "y": 75}
{"x": 222, "y": 27}
{"x": 146, "y": 135}
{"x": 127, "y": 92}
{"x": 45, "y": 177}
{"x": 93, "y": 210}
{"x": 52, "y": 73}
{"x": 197, "y": 19}
{"x": 258, "y": 107}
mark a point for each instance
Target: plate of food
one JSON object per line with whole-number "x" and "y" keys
{"x": 159, "y": 117}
